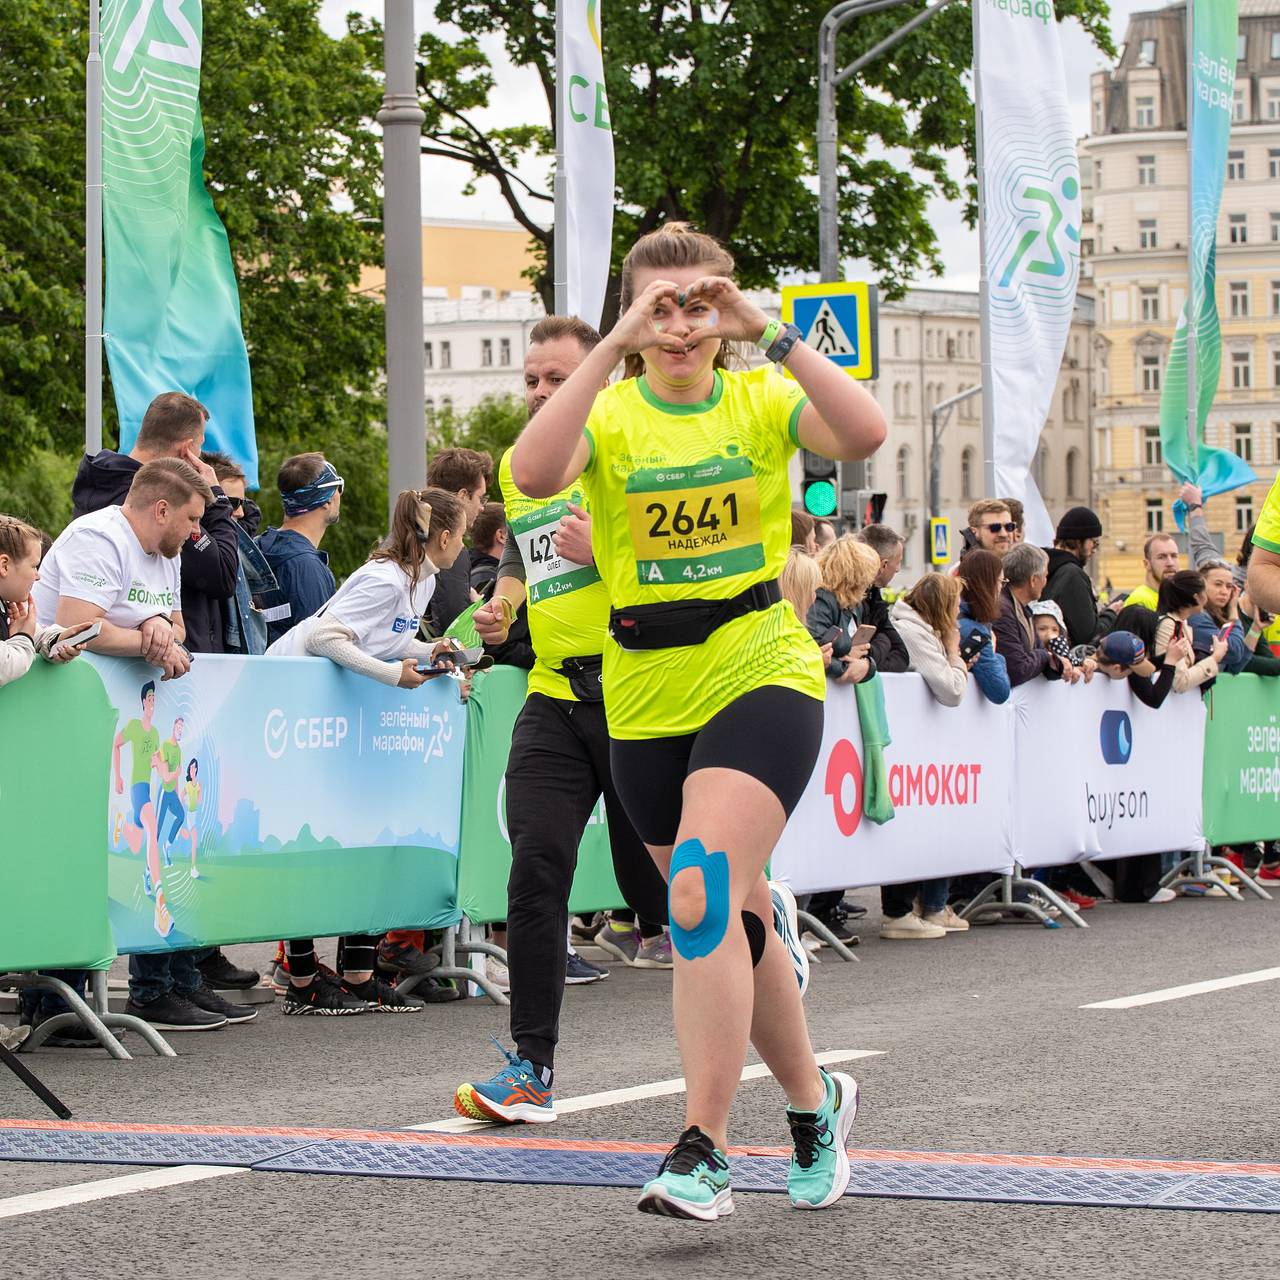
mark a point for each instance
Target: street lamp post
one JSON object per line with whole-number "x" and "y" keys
{"x": 401, "y": 119}
{"x": 939, "y": 418}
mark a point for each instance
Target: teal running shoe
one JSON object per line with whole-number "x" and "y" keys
{"x": 819, "y": 1173}
{"x": 786, "y": 925}
{"x": 692, "y": 1182}
{"x": 516, "y": 1095}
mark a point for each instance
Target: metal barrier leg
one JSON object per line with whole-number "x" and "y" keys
{"x": 80, "y": 1013}
{"x": 811, "y": 924}
{"x": 997, "y": 899}
{"x": 126, "y": 1021}
{"x": 1202, "y": 868}
{"x": 1103, "y": 882}
{"x": 450, "y": 968}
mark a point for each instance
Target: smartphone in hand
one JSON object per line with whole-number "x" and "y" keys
{"x": 973, "y": 646}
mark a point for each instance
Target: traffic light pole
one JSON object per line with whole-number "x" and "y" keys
{"x": 938, "y": 426}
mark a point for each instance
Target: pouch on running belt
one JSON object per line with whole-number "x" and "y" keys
{"x": 585, "y": 677}
{"x": 674, "y": 624}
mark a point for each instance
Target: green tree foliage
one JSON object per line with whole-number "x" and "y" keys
{"x": 293, "y": 161}
{"x": 714, "y": 107}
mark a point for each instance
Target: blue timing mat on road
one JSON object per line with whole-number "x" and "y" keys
{"x": 515, "y": 1158}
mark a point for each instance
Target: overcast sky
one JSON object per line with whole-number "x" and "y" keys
{"x": 519, "y": 98}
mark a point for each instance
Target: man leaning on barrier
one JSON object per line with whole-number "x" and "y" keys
{"x": 1026, "y": 570}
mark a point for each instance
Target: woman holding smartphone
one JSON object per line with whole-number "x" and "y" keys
{"x": 715, "y": 689}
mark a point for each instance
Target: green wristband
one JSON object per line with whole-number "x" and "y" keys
{"x": 770, "y": 334}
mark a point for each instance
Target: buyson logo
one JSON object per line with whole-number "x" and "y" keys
{"x": 1121, "y": 804}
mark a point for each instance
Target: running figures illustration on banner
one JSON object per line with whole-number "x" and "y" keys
{"x": 1030, "y": 202}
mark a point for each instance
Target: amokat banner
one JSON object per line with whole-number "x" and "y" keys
{"x": 586, "y": 135}
{"x": 1030, "y": 195}
{"x": 262, "y": 798}
{"x": 1213, "y": 70}
{"x": 172, "y": 318}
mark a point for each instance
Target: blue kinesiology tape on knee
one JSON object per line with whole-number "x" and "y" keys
{"x": 709, "y": 932}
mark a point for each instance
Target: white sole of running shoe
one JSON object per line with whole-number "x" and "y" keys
{"x": 784, "y": 910}
{"x": 474, "y": 1107}
{"x": 607, "y": 945}
{"x": 845, "y": 1116}
{"x": 659, "y": 1202}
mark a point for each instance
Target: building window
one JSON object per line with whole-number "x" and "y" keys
{"x": 928, "y": 342}
{"x": 1237, "y": 105}
{"x": 1149, "y": 303}
{"x": 970, "y": 344}
{"x": 1147, "y": 237}
{"x": 1147, "y": 53}
{"x": 1151, "y": 373}
{"x": 903, "y": 472}
{"x": 1235, "y": 166}
{"x": 1155, "y": 516}
{"x": 1146, "y": 171}
{"x": 504, "y": 352}
{"x": 1275, "y": 376}
{"x": 1275, "y": 227}
{"x": 1238, "y": 228}
{"x": 1145, "y": 112}
{"x": 1275, "y": 46}
{"x": 1242, "y": 46}
{"x": 1073, "y": 473}
{"x": 1273, "y": 104}
{"x": 1241, "y": 370}
{"x": 1242, "y": 440}
{"x": 1275, "y": 297}
{"x": 428, "y": 356}
{"x": 1097, "y": 115}
{"x": 1097, "y": 174}
{"x": 1244, "y": 514}
{"x": 446, "y": 355}
{"x": 1273, "y": 162}
{"x": 897, "y": 342}
{"x": 966, "y": 475}
{"x": 1152, "y": 449}
{"x": 486, "y": 353}
{"x": 1239, "y": 299}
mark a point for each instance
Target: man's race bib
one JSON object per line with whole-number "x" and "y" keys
{"x": 548, "y": 575}
{"x": 696, "y": 523}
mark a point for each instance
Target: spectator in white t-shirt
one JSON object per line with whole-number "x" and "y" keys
{"x": 370, "y": 626}
{"x": 120, "y": 565}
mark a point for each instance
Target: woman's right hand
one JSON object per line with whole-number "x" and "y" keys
{"x": 410, "y": 676}
{"x": 827, "y": 652}
{"x": 1179, "y": 650}
{"x": 22, "y": 618}
{"x": 636, "y": 330}
{"x": 951, "y": 642}
{"x": 855, "y": 671}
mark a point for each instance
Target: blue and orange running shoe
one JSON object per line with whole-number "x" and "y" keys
{"x": 516, "y": 1095}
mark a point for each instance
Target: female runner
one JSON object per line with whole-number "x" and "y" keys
{"x": 715, "y": 688}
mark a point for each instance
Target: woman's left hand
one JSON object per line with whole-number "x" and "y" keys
{"x": 734, "y": 318}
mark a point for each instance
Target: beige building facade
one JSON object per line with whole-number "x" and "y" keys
{"x": 1134, "y": 164}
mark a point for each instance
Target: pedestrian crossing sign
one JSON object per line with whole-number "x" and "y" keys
{"x": 939, "y": 540}
{"x": 839, "y": 321}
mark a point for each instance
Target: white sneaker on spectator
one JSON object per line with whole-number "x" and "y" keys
{"x": 909, "y": 928}
{"x": 1162, "y": 895}
{"x": 497, "y": 973}
{"x": 947, "y": 920}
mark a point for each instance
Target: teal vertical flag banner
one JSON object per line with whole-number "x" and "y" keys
{"x": 1213, "y": 73}
{"x": 172, "y": 318}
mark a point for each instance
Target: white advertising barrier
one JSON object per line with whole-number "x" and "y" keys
{"x": 1100, "y": 775}
{"x": 950, "y": 777}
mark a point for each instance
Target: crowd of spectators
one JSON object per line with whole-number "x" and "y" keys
{"x": 165, "y": 559}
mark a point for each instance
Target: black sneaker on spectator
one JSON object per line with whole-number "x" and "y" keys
{"x": 835, "y": 922}
{"x": 383, "y": 997}
{"x": 404, "y": 959}
{"x": 222, "y": 975}
{"x": 75, "y": 1036}
{"x": 324, "y": 998}
{"x": 205, "y": 997}
{"x": 578, "y": 972}
{"x": 438, "y": 991}
{"x": 174, "y": 1013}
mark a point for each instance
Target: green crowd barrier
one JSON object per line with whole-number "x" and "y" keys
{"x": 56, "y": 726}
{"x": 485, "y": 861}
{"x": 1242, "y": 760}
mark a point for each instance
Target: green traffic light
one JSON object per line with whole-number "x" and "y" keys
{"x": 820, "y": 498}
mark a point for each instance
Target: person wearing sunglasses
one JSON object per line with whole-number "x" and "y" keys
{"x": 991, "y": 526}
{"x": 311, "y": 493}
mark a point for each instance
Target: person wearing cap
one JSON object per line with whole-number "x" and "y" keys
{"x": 311, "y": 493}
{"x": 1069, "y": 587}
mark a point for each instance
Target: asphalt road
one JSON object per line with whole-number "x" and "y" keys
{"x": 984, "y": 1047}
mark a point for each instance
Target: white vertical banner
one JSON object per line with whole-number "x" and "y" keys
{"x": 1030, "y": 196}
{"x": 586, "y": 141}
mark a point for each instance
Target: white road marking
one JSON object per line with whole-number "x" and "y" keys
{"x": 1191, "y": 989}
{"x": 635, "y": 1093}
{"x": 83, "y": 1192}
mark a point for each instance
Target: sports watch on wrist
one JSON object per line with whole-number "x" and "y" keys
{"x": 781, "y": 346}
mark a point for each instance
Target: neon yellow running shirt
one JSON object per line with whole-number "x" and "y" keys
{"x": 567, "y": 603}
{"x": 1267, "y": 533}
{"x": 694, "y": 502}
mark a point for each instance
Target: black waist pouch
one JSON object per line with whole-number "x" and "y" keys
{"x": 675, "y": 624}
{"x": 585, "y": 677}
